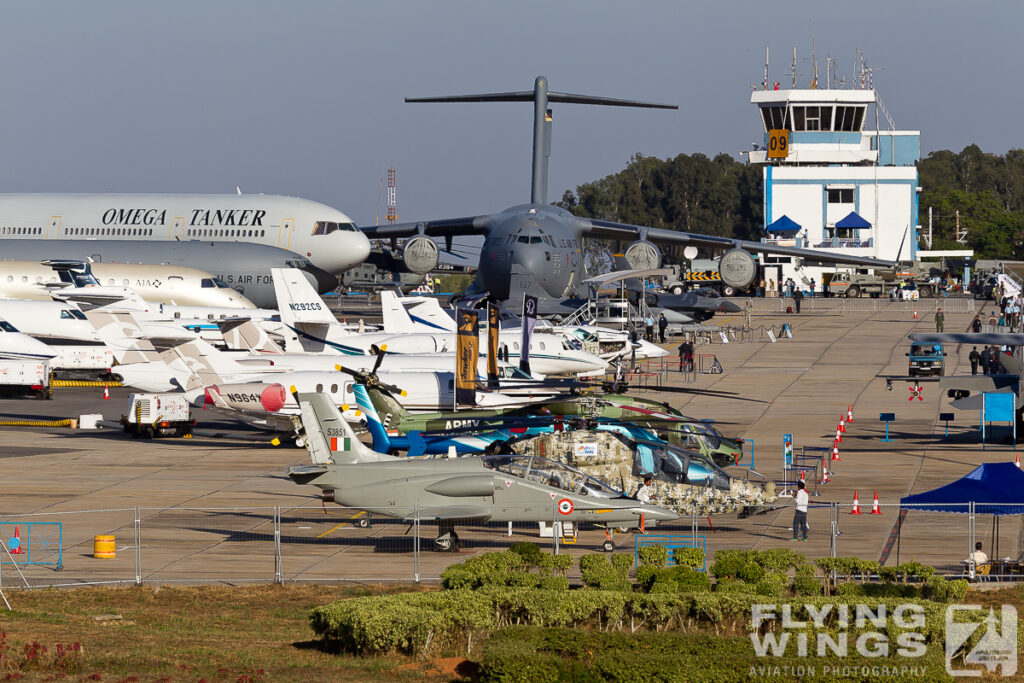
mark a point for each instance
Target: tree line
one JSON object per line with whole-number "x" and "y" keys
{"x": 723, "y": 196}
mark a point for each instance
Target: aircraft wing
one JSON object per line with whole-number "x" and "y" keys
{"x": 625, "y": 231}
{"x": 461, "y": 512}
{"x": 979, "y": 338}
{"x": 452, "y": 227}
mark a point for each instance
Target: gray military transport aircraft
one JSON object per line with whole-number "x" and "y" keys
{"x": 467, "y": 489}
{"x": 536, "y": 248}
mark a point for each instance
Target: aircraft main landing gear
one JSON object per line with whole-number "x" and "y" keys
{"x": 447, "y": 540}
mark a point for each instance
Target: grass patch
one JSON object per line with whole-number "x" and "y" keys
{"x": 251, "y": 633}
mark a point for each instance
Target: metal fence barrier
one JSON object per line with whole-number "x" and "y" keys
{"x": 333, "y": 544}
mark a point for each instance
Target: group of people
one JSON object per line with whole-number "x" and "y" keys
{"x": 789, "y": 288}
{"x": 649, "y": 327}
{"x": 987, "y": 360}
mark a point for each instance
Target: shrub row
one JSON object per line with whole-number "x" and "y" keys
{"x": 527, "y": 654}
{"x": 455, "y": 621}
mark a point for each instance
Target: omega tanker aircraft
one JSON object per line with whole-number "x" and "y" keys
{"x": 325, "y": 236}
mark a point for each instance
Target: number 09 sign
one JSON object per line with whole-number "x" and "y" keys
{"x": 778, "y": 144}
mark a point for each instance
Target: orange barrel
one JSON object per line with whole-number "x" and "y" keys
{"x": 103, "y": 547}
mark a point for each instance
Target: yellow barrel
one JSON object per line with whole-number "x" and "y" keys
{"x": 103, "y": 547}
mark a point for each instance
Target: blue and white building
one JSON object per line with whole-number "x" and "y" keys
{"x": 836, "y": 186}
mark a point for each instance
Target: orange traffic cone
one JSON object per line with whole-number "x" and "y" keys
{"x": 1018, "y": 461}
{"x": 874, "y": 506}
{"x": 856, "y": 505}
{"x": 849, "y": 412}
{"x": 839, "y": 435}
{"x": 17, "y": 550}
{"x": 106, "y": 393}
{"x": 915, "y": 312}
{"x": 803, "y": 475}
{"x": 842, "y": 423}
{"x": 835, "y": 451}
{"x": 824, "y": 472}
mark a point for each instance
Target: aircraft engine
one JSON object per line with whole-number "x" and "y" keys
{"x": 419, "y": 254}
{"x": 252, "y": 396}
{"x": 643, "y": 255}
{"x": 737, "y": 268}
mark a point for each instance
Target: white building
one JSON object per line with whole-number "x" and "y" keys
{"x": 841, "y": 187}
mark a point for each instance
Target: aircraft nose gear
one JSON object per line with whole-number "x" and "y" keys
{"x": 915, "y": 392}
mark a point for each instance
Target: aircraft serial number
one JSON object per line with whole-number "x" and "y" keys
{"x": 305, "y": 307}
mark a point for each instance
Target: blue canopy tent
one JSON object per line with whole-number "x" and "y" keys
{"x": 783, "y": 224}
{"x": 993, "y": 486}
{"x": 853, "y": 221}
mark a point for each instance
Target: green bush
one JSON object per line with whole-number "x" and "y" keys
{"x": 734, "y": 586}
{"x": 752, "y": 565}
{"x": 553, "y": 583}
{"x": 554, "y": 564}
{"x": 890, "y": 590}
{"x": 597, "y": 572}
{"x": 805, "y": 582}
{"x": 501, "y": 569}
{"x": 652, "y": 556}
{"x": 689, "y": 557}
{"x": 773, "y": 584}
{"x": 850, "y": 589}
{"x": 530, "y": 552}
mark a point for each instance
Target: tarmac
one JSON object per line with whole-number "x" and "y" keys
{"x": 206, "y": 510}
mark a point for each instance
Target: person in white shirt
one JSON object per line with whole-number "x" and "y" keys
{"x": 978, "y": 555}
{"x": 644, "y": 495}
{"x": 800, "y": 516}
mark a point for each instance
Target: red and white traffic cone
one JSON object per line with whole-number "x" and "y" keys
{"x": 874, "y": 506}
{"x": 849, "y": 412}
{"x": 842, "y": 423}
{"x": 106, "y": 393}
{"x": 856, "y": 505}
{"x": 824, "y": 471}
{"x": 803, "y": 475}
{"x": 839, "y": 435}
{"x": 835, "y": 451}
{"x": 18, "y": 549}
{"x": 1017, "y": 463}
{"x": 915, "y": 318}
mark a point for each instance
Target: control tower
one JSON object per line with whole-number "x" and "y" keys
{"x": 832, "y": 179}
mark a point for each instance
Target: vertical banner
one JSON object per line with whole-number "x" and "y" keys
{"x": 466, "y": 354}
{"x": 529, "y": 322}
{"x": 493, "y": 328}
{"x": 787, "y": 451}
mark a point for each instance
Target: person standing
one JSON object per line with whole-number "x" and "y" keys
{"x": 975, "y": 358}
{"x": 662, "y": 326}
{"x": 985, "y": 358}
{"x": 761, "y": 288}
{"x": 649, "y": 328}
{"x": 771, "y": 288}
{"x": 644, "y": 494}
{"x": 976, "y": 324}
{"x": 686, "y": 356}
{"x": 798, "y": 296}
{"x": 800, "y": 514}
{"x": 940, "y": 320}
{"x": 813, "y": 285}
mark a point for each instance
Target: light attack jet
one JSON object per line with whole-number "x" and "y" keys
{"x": 465, "y": 490}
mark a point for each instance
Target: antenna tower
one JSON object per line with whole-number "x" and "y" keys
{"x": 392, "y": 215}
{"x": 961, "y": 233}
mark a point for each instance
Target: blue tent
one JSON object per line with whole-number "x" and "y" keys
{"x": 783, "y": 224}
{"x": 853, "y": 221}
{"x": 989, "y": 486}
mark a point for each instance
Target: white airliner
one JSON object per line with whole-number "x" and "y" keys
{"x": 326, "y": 236}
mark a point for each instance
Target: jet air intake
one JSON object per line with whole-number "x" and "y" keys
{"x": 419, "y": 255}
{"x": 465, "y": 486}
{"x": 643, "y": 255}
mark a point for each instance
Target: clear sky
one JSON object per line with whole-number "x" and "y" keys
{"x": 305, "y": 98}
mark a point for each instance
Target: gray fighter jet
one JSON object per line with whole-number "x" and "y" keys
{"x": 468, "y": 489}
{"x": 536, "y": 248}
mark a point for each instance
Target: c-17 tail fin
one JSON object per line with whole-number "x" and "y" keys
{"x": 329, "y": 439}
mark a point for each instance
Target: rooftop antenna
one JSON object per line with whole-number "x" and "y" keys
{"x": 814, "y": 63}
{"x": 828, "y": 72}
{"x": 764, "y": 83}
{"x": 794, "y": 67}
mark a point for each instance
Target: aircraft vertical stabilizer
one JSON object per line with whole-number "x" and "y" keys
{"x": 381, "y": 442}
{"x": 426, "y": 311}
{"x": 329, "y": 439}
{"x": 396, "y": 318}
{"x": 297, "y": 301}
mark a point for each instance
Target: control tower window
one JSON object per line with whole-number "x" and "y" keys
{"x": 843, "y": 196}
{"x": 774, "y": 118}
{"x": 849, "y": 118}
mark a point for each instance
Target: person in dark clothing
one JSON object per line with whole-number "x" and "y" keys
{"x": 798, "y": 297}
{"x": 686, "y": 356}
{"x": 662, "y": 326}
{"x": 994, "y": 366}
{"x": 975, "y": 358}
{"x": 976, "y": 326}
{"x": 985, "y": 358}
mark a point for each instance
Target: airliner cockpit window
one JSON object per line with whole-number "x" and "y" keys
{"x": 220, "y": 283}
{"x": 298, "y": 263}
{"x": 7, "y": 327}
{"x": 206, "y": 282}
{"x": 327, "y": 227}
{"x": 78, "y": 315}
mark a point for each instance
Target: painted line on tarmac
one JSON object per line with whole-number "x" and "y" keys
{"x": 338, "y": 526}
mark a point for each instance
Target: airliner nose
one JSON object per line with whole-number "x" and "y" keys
{"x": 357, "y": 248}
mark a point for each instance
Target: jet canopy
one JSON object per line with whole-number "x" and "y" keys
{"x": 550, "y": 473}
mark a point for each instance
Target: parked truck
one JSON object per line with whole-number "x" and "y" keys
{"x": 25, "y": 377}
{"x": 853, "y": 284}
{"x": 151, "y": 415}
{"x": 699, "y": 273}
